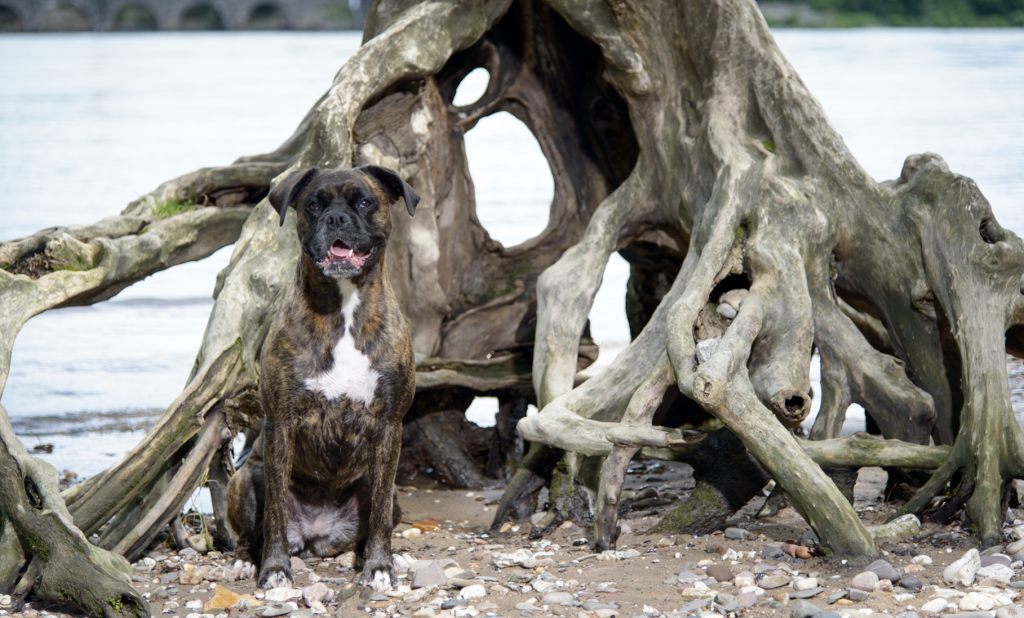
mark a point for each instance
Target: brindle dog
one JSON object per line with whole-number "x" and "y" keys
{"x": 337, "y": 376}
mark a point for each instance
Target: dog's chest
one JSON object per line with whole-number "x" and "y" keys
{"x": 351, "y": 375}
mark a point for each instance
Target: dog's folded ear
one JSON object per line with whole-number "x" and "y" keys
{"x": 395, "y": 187}
{"x": 284, "y": 193}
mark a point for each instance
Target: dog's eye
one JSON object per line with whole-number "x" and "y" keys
{"x": 364, "y": 203}
{"x": 313, "y": 207}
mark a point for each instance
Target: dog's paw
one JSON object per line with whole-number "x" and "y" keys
{"x": 380, "y": 578}
{"x": 243, "y": 570}
{"x": 275, "y": 577}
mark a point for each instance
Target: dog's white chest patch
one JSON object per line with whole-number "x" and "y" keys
{"x": 351, "y": 375}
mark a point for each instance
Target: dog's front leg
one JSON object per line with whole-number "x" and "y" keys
{"x": 378, "y": 567}
{"x": 275, "y": 571}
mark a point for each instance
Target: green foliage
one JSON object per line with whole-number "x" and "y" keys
{"x": 117, "y": 604}
{"x": 171, "y": 207}
{"x": 935, "y": 13}
{"x": 768, "y": 145}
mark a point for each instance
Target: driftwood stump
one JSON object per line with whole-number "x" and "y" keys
{"x": 678, "y": 135}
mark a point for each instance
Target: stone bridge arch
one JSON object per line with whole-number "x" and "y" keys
{"x": 68, "y": 15}
{"x": 125, "y": 15}
{"x": 16, "y": 15}
{"x": 107, "y": 15}
{"x": 177, "y": 10}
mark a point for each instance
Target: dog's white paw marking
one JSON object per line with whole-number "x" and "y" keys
{"x": 381, "y": 581}
{"x": 243, "y": 570}
{"x": 277, "y": 579}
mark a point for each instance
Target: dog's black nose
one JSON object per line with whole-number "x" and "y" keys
{"x": 335, "y": 219}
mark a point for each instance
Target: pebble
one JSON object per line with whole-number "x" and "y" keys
{"x": 922, "y": 560}
{"x": 963, "y": 570}
{"x": 805, "y": 584}
{"x": 935, "y": 606}
{"x": 908, "y": 615}
{"x": 686, "y": 577}
{"x": 774, "y": 581}
{"x": 884, "y": 570}
{"x": 278, "y": 595}
{"x": 705, "y": 349}
{"x": 473, "y": 592}
{"x": 747, "y": 599}
{"x": 726, "y": 311}
{"x": 1015, "y": 547}
{"x": 990, "y": 560}
{"x": 736, "y": 533}
{"x": 279, "y": 609}
{"x": 720, "y": 572}
{"x": 726, "y": 602}
{"x": 222, "y": 598}
{"x": 558, "y": 598}
{"x": 911, "y": 583}
{"x": 899, "y": 528}
{"x": 746, "y": 578}
{"x": 806, "y": 594}
{"x": 318, "y": 592}
{"x": 430, "y": 575}
{"x": 857, "y": 596}
{"x": 803, "y": 609}
{"x": 864, "y": 581}
{"x": 999, "y": 572}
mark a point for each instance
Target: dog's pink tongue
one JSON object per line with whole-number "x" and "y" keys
{"x": 339, "y": 250}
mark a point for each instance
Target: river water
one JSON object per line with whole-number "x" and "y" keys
{"x": 88, "y": 122}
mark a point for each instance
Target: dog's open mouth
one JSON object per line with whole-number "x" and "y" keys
{"x": 339, "y": 251}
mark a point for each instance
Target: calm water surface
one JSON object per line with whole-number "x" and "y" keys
{"x": 88, "y": 122}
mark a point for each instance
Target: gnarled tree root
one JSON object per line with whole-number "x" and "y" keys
{"x": 63, "y": 566}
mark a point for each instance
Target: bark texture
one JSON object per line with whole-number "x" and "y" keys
{"x": 678, "y": 135}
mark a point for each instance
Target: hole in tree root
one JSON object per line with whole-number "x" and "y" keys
{"x": 511, "y": 178}
{"x": 33, "y": 494}
{"x": 472, "y": 87}
{"x": 794, "y": 404}
{"x": 731, "y": 282}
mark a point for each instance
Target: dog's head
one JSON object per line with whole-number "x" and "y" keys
{"x": 344, "y": 215}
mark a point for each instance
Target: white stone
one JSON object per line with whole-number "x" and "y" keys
{"x": 922, "y": 560}
{"x": 476, "y": 591}
{"x": 900, "y": 528}
{"x": 805, "y": 584}
{"x": 523, "y": 557}
{"x": 963, "y": 570}
{"x": 705, "y": 349}
{"x": 279, "y": 595}
{"x": 755, "y": 589}
{"x": 935, "y": 606}
{"x": 1018, "y": 532}
{"x": 998, "y": 572}
{"x": 1015, "y": 548}
{"x": 744, "y": 579}
{"x": 974, "y": 602}
{"x": 411, "y": 533}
